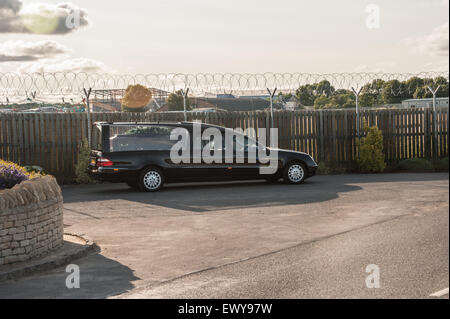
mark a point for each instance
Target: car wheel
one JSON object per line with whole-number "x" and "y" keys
{"x": 151, "y": 180}
{"x": 294, "y": 173}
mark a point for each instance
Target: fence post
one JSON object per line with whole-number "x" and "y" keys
{"x": 435, "y": 128}
{"x": 185, "y": 94}
{"x": 321, "y": 137}
{"x": 272, "y": 94}
{"x": 87, "y": 93}
{"x": 267, "y": 128}
{"x": 427, "y": 132}
{"x": 358, "y": 120}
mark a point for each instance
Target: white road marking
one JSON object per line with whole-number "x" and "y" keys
{"x": 441, "y": 293}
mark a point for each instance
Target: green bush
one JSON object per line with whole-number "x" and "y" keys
{"x": 326, "y": 168}
{"x": 36, "y": 169}
{"x": 323, "y": 169}
{"x": 82, "y": 165}
{"x": 370, "y": 151}
{"x": 441, "y": 165}
{"x": 416, "y": 165}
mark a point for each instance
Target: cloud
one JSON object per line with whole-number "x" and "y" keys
{"x": 379, "y": 67}
{"x": 21, "y": 51}
{"x": 437, "y": 67}
{"x": 434, "y": 44}
{"x": 44, "y": 57}
{"x": 75, "y": 65}
{"x": 40, "y": 18}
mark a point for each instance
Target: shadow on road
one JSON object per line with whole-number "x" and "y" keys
{"x": 100, "y": 277}
{"x": 204, "y": 197}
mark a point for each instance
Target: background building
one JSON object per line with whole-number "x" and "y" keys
{"x": 441, "y": 101}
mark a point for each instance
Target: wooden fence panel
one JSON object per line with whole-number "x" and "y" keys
{"x": 53, "y": 140}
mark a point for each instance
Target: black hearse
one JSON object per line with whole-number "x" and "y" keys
{"x": 139, "y": 154}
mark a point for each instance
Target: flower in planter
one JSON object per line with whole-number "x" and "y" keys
{"x": 12, "y": 174}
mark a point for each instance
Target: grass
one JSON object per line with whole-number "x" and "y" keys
{"x": 416, "y": 165}
{"x": 441, "y": 165}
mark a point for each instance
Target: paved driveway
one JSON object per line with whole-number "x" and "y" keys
{"x": 149, "y": 238}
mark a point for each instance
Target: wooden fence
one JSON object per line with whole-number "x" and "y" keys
{"x": 52, "y": 140}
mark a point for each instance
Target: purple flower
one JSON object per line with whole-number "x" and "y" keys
{"x": 11, "y": 175}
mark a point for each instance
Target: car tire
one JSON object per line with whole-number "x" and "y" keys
{"x": 151, "y": 179}
{"x": 294, "y": 173}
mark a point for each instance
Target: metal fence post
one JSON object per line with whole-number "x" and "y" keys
{"x": 271, "y": 94}
{"x": 435, "y": 127}
{"x": 87, "y": 93}
{"x": 358, "y": 119}
{"x": 185, "y": 94}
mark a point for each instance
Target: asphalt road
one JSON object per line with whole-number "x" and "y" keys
{"x": 411, "y": 252}
{"x": 257, "y": 240}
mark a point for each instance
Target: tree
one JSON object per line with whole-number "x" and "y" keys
{"x": 413, "y": 84}
{"x": 391, "y": 92}
{"x": 367, "y": 100}
{"x": 136, "y": 98}
{"x": 309, "y": 93}
{"x": 443, "y": 90}
{"x": 283, "y": 98}
{"x": 305, "y": 95}
{"x": 371, "y": 93}
{"x": 422, "y": 93}
{"x": 324, "y": 88}
{"x": 345, "y": 99}
{"x": 175, "y": 102}
{"x": 322, "y": 102}
{"x": 323, "y": 95}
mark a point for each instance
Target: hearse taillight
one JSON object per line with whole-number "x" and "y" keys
{"x": 104, "y": 162}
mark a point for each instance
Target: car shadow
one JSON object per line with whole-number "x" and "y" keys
{"x": 208, "y": 197}
{"x": 100, "y": 277}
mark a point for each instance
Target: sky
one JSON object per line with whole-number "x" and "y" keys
{"x": 233, "y": 36}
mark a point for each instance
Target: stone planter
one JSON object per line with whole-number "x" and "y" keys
{"x": 31, "y": 220}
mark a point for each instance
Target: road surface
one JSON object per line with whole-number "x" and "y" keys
{"x": 257, "y": 240}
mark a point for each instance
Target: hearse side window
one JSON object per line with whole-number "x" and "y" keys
{"x": 140, "y": 138}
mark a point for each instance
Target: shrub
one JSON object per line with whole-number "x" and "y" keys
{"x": 12, "y": 174}
{"x": 441, "y": 165}
{"x": 370, "y": 151}
{"x": 36, "y": 169}
{"x": 323, "y": 169}
{"x": 416, "y": 165}
{"x": 175, "y": 102}
{"x": 82, "y": 165}
{"x": 326, "y": 168}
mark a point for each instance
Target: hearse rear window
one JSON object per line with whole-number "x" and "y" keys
{"x": 140, "y": 138}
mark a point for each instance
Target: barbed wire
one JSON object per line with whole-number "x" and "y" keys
{"x": 56, "y": 85}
